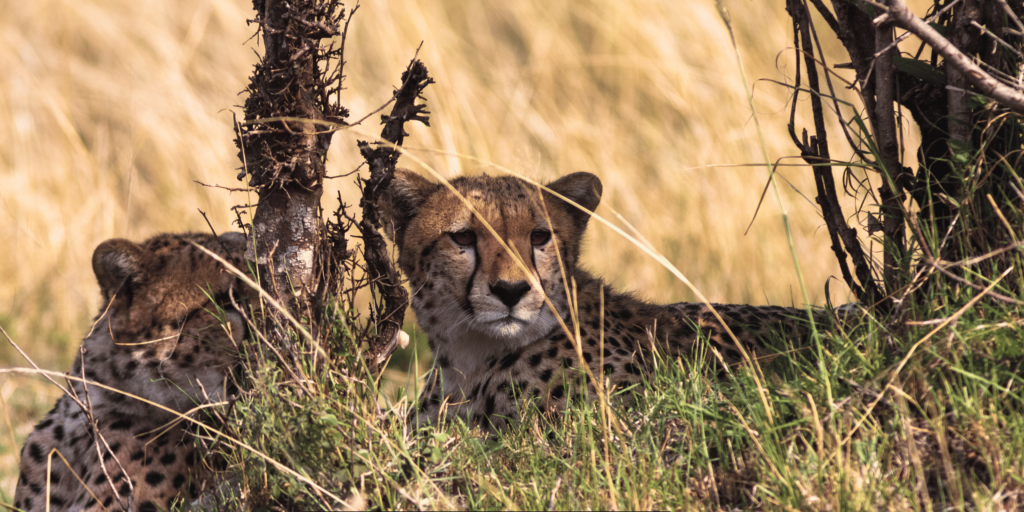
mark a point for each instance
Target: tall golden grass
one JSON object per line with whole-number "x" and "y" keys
{"x": 110, "y": 109}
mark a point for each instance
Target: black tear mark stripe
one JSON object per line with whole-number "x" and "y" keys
{"x": 426, "y": 252}
{"x": 540, "y": 278}
{"x": 469, "y": 284}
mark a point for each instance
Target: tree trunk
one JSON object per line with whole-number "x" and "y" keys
{"x": 283, "y": 147}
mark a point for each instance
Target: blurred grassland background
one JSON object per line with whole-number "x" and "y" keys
{"x": 109, "y": 109}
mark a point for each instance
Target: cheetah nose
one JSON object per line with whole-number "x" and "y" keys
{"x": 510, "y": 293}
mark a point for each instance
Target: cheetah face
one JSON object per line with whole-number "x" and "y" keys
{"x": 486, "y": 272}
{"x": 169, "y": 333}
{"x": 504, "y": 297}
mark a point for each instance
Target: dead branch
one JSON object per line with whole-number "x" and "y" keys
{"x": 986, "y": 84}
{"x": 816, "y": 153}
{"x": 381, "y": 271}
{"x": 888, "y": 148}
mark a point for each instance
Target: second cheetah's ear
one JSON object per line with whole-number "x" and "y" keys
{"x": 402, "y": 201}
{"x": 117, "y": 263}
{"x": 581, "y": 188}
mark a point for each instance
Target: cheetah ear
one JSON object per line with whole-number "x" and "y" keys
{"x": 581, "y": 188}
{"x": 117, "y": 262}
{"x": 402, "y": 201}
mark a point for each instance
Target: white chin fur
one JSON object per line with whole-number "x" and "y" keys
{"x": 505, "y": 328}
{"x": 469, "y": 337}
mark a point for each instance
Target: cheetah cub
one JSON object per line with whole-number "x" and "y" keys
{"x": 160, "y": 337}
{"x": 495, "y": 325}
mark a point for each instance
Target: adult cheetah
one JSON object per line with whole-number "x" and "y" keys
{"x": 166, "y": 335}
{"x": 502, "y": 330}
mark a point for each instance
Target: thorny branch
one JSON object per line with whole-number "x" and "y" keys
{"x": 382, "y": 274}
{"x": 293, "y": 90}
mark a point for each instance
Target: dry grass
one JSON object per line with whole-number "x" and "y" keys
{"x": 111, "y": 108}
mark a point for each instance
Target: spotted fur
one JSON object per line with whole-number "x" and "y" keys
{"x": 159, "y": 338}
{"x": 496, "y": 326}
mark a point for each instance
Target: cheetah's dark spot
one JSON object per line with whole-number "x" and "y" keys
{"x": 168, "y": 458}
{"x": 558, "y": 392}
{"x": 510, "y": 360}
{"x": 535, "y": 359}
{"x": 36, "y": 453}
{"x": 154, "y": 478}
{"x": 121, "y": 424}
{"x": 545, "y": 375}
{"x": 443, "y": 361}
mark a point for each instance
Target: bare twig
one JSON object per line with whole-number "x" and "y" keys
{"x": 229, "y": 189}
{"x": 978, "y": 287}
{"x": 378, "y": 109}
{"x": 996, "y": 38}
{"x": 905, "y": 35}
{"x": 1010, "y": 14}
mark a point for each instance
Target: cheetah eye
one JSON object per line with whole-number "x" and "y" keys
{"x": 540, "y": 237}
{"x": 464, "y": 237}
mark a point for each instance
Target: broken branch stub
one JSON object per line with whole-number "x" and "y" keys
{"x": 381, "y": 158}
{"x": 283, "y": 141}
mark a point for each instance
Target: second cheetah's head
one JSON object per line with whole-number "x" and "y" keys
{"x": 469, "y": 287}
{"x": 168, "y": 332}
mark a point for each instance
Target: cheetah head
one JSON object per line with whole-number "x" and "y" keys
{"x": 480, "y": 280}
{"x": 168, "y": 333}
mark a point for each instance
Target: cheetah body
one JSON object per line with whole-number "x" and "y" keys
{"x": 503, "y": 331}
{"x": 159, "y": 338}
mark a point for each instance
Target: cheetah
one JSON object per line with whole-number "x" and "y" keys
{"x": 166, "y": 336}
{"x": 502, "y": 332}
